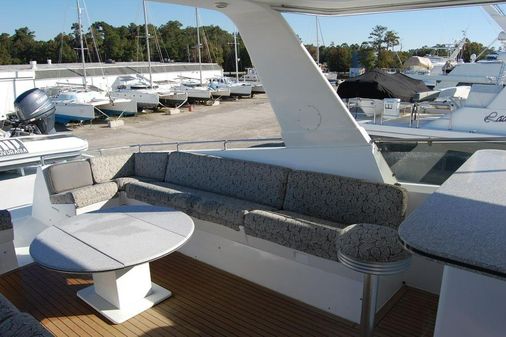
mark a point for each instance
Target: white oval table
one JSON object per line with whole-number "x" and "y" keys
{"x": 115, "y": 245}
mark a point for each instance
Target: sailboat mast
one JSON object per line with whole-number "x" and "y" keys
{"x": 236, "y": 59}
{"x": 317, "y": 42}
{"x": 147, "y": 42}
{"x": 198, "y": 42}
{"x": 80, "y": 27}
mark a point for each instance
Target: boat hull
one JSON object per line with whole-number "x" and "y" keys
{"x": 17, "y": 152}
{"x": 143, "y": 100}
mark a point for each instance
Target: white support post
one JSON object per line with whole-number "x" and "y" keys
{"x": 122, "y": 294}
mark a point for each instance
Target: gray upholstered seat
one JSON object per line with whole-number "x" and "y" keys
{"x": 203, "y": 205}
{"x": 369, "y": 243}
{"x": 22, "y": 325}
{"x": 345, "y": 200}
{"x": 373, "y": 250}
{"x": 7, "y": 309}
{"x": 110, "y": 167}
{"x": 16, "y": 324}
{"x": 123, "y": 181}
{"x": 152, "y": 165}
{"x": 160, "y": 194}
{"x": 85, "y": 196}
{"x": 256, "y": 182}
{"x": 5, "y": 220}
{"x": 67, "y": 176}
{"x": 301, "y": 232}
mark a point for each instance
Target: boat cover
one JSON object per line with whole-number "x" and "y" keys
{"x": 377, "y": 84}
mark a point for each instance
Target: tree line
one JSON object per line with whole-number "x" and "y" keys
{"x": 173, "y": 42}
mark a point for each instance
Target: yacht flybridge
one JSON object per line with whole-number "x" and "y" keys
{"x": 314, "y": 219}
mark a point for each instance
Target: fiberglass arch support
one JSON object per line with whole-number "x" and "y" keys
{"x": 309, "y": 112}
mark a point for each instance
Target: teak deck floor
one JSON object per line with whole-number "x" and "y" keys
{"x": 206, "y": 302}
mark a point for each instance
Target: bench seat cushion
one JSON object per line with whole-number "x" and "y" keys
{"x": 108, "y": 167}
{"x": 151, "y": 164}
{"x": 304, "y": 233}
{"x": 123, "y": 181}
{"x": 257, "y": 182}
{"x": 200, "y": 204}
{"x": 345, "y": 200}
{"x": 7, "y": 309}
{"x": 87, "y": 195}
{"x": 22, "y": 325}
{"x": 159, "y": 194}
{"x": 5, "y": 220}
{"x": 68, "y": 176}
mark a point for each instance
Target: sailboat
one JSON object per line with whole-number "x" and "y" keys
{"x": 137, "y": 88}
{"x": 84, "y": 102}
{"x": 237, "y": 88}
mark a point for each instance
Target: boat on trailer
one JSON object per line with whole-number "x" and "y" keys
{"x": 320, "y": 138}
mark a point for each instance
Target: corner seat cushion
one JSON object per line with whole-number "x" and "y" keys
{"x": 304, "y": 233}
{"x": 123, "y": 181}
{"x": 87, "y": 195}
{"x": 345, "y": 200}
{"x": 23, "y": 325}
{"x": 68, "y": 176}
{"x": 5, "y": 221}
{"x": 7, "y": 309}
{"x": 200, "y": 204}
{"x": 247, "y": 180}
{"x": 151, "y": 164}
{"x": 369, "y": 243}
{"x": 108, "y": 167}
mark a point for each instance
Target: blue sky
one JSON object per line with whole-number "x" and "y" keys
{"x": 417, "y": 28}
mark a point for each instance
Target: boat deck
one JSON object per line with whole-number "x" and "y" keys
{"x": 206, "y": 302}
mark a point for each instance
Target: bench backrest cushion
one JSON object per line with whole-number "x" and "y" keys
{"x": 151, "y": 164}
{"x": 345, "y": 200}
{"x": 108, "y": 167}
{"x": 261, "y": 183}
{"x": 67, "y": 176}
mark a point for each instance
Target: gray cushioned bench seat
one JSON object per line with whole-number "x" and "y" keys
{"x": 5, "y": 220}
{"x": 224, "y": 210}
{"x": 302, "y": 210}
{"x": 256, "y": 182}
{"x": 345, "y": 200}
{"x": 87, "y": 195}
{"x": 307, "y": 234}
{"x": 16, "y": 324}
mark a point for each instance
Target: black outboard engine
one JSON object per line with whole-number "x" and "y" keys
{"x": 35, "y": 111}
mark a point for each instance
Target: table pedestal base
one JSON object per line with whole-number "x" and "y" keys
{"x": 122, "y": 294}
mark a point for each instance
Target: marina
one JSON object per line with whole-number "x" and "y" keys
{"x": 164, "y": 199}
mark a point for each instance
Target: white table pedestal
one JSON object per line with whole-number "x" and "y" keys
{"x": 470, "y": 305}
{"x": 122, "y": 294}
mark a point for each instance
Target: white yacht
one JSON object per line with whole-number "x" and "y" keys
{"x": 294, "y": 239}
{"x": 252, "y": 77}
{"x": 79, "y": 104}
{"x": 242, "y": 89}
{"x": 85, "y": 103}
{"x": 136, "y": 89}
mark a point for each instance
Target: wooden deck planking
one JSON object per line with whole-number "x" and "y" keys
{"x": 206, "y": 302}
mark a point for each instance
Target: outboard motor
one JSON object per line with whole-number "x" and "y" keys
{"x": 35, "y": 111}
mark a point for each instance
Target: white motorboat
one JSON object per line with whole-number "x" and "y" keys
{"x": 489, "y": 70}
{"x": 252, "y": 77}
{"x": 31, "y": 138}
{"x": 138, "y": 89}
{"x": 80, "y": 104}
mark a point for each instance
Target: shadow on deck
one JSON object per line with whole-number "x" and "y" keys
{"x": 206, "y": 302}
